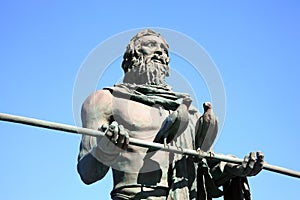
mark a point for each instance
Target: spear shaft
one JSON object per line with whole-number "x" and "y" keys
{"x": 137, "y": 142}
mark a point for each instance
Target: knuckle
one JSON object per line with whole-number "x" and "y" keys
{"x": 113, "y": 125}
{"x": 252, "y": 156}
{"x": 260, "y": 155}
{"x": 246, "y": 158}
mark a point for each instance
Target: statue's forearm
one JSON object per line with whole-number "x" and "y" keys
{"x": 90, "y": 169}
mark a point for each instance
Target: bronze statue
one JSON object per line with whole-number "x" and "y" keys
{"x": 145, "y": 107}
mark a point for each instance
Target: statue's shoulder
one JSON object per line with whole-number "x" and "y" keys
{"x": 100, "y": 99}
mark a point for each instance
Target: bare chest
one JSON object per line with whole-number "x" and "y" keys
{"x": 136, "y": 116}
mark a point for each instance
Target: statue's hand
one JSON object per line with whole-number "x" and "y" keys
{"x": 110, "y": 146}
{"x": 116, "y": 138}
{"x": 251, "y": 166}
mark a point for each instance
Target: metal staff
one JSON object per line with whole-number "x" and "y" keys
{"x": 137, "y": 142}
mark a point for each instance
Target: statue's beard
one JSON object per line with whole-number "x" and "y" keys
{"x": 147, "y": 71}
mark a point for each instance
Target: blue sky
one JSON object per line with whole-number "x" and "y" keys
{"x": 254, "y": 44}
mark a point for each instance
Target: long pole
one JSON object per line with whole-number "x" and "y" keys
{"x": 137, "y": 142}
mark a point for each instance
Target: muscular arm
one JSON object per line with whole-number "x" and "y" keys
{"x": 96, "y": 111}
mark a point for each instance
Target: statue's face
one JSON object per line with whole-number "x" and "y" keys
{"x": 153, "y": 48}
{"x": 149, "y": 61}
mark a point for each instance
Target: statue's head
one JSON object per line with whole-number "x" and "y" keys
{"x": 146, "y": 59}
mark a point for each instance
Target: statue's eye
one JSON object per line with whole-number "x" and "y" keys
{"x": 151, "y": 44}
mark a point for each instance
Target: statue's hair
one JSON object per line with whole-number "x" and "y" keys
{"x": 131, "y": 52}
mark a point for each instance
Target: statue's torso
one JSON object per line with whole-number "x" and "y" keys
{"x": 143, "y": 122}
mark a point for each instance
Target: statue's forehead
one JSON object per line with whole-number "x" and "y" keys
{"x": 149, "y": 38}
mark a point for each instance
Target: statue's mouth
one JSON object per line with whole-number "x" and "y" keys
{"x": 158, "y": 59}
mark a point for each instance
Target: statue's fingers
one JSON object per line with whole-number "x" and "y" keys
{"x": 250, "y": 164}
{"x": 260, "y": 156}
{"x": 114, "y": 129}
{"x": 126, "y": 141}
{"x": 245, "y": 162}
{"x": 252, "y": 159}
{"x": 105, "y": 129}
{"x": 113, "y": 125}
{"x": 116, "y": 135}
{"x": 109, "y": 133}
{"x": 258, "y": 166}
{"x": 121, "y": 137}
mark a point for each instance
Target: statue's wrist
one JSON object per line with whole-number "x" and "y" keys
{"x": 232, "y": 171}
{"x": 221, "y": 173}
